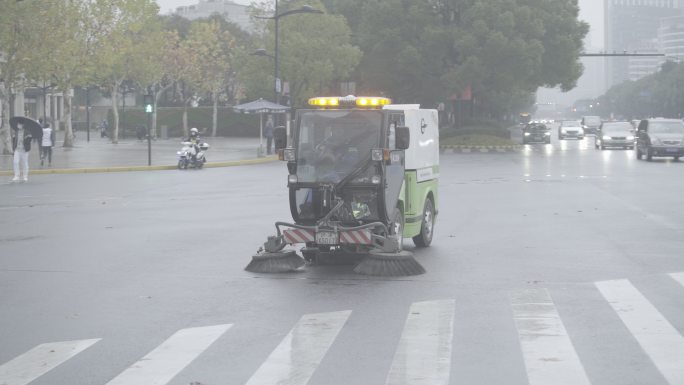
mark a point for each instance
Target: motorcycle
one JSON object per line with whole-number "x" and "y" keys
{"x": 187, "y": 158}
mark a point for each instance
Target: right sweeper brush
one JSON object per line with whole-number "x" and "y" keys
{"x": 389, "y": 264}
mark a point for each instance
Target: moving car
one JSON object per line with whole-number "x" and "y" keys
{"x": 660, "y": 137}
{"x": 536, "y": 133}
{"x": 615, "y": 134}
{"x": 591, "y": 124}
{"x": 570, "y": 129}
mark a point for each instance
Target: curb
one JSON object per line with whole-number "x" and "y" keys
{"x": 479, "y": 149}
{"x": 234, "y": 163}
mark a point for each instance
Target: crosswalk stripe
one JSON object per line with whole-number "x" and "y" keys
{"x": 549, "y": 355}
{"x": 659, "y": 339}
{"x": 163, "y": 363}
{"x": 296, "y": 357}
{"x": 679, "y": 277}
{"x": 40, "y": 360}
{"x": 424, "y": 352}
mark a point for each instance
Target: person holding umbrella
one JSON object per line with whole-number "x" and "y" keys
{"x": 23, "y": 130}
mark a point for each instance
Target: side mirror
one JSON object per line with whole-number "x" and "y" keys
{"x": 280, "y": 137}
{"x": 402, "y": 138}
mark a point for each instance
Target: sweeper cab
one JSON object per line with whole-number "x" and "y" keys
{"x": 362, "y": 177}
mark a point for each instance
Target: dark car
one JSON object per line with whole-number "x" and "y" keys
{"x": 591, "y": 124}
{"x": 536, "y": 133}
{"x": 615, "y": 134}
{"x": 660, "y": 137}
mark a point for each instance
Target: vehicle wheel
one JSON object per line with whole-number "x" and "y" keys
{"x": 180, "y": 164}
{"x": 397, "y": 227}
{"x": 639, "y": 154}
{"x": 200, "y": 164}
{"x": 560, "y": 137}
{"x": 548, "y": 141}
{"x": 427, "y": 225}
{"x": 596, "y": 145}
{"x": 676, "y": 158}
{"x": 603, "y": 147}
{"x": 649, "y": 154}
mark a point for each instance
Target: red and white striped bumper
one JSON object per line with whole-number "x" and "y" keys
{"x": 356, "y": 237}
{"x": 298, "y": 236}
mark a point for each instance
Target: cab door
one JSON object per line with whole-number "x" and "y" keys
{"x": 394, "y": 166}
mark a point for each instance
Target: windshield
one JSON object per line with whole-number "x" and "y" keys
{"x": 332, "y": 144}
{"x": 570, "y": 123}
{"x": 666, "y": 127}
{"x": 617, "y": 127}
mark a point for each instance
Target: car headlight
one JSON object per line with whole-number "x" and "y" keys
{"x": 292, "y": 179}
{"x": 655, "y": 141}
{"x": 527, "y": 134}
{"x": 631, "y": 137}
{"x": 377, "y": 154}
{"x": 606, "y": 137}
{"x": 375, "y": 179}
{"x": 547, "y": 133}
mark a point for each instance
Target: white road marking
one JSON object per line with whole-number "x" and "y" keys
{"x": 679, "y": 277}
{"x": 160, "y": 365}
{"x": 549, "y": 355}
{"x": 40, "y": 360}
{"x": 659, "y": 339}
{"x": 424, "y": 352}
{"x": 294, "y": 361}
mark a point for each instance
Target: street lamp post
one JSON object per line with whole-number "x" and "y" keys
{"x": 276, "y": 17}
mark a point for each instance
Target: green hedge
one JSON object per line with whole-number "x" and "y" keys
{"x": 477, "y": 127}
{"x": 230, "y": 123}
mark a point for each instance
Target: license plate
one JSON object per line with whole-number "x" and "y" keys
{"x": 327, "y": 238}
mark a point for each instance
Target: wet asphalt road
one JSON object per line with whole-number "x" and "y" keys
{"x": 559, "y": 264}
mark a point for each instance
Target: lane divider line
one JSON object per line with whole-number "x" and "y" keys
{"x": 549, "y": 356}
{"x": 659, "y": 339}
{"x": 25, "y": 368}
{"x": 295, "y": 359}
{"x": 423, "y": 356}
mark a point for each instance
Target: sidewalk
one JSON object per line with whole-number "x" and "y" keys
{"x": 100, "y": 152}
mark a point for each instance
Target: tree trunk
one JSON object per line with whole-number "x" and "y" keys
{"x": 214, "y": 96}
{"x": 115, "y": 110}
{"x": 4, "y": 125}
{"x": 185, "y": 118}
{"x": 157, "y": 96}
{"x": 68, "y": 129}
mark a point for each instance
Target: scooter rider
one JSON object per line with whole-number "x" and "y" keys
{"x": 194, "y": 140}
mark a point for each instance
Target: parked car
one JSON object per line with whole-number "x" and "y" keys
{"x": 570, "y": 129}
{"x": 660, "y": 137}
{"x": 536, "y": 133}
{"x": 591, "y": 124}
{"x": 614, "y": 134}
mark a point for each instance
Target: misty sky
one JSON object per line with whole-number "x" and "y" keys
{"x": 591, "y": 11}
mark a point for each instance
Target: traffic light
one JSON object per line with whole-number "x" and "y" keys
{"x": 149, "y": 106}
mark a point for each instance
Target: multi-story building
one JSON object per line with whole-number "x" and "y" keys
{"x": 630, "y": 25}
{"x": 235, "y": 13}
{"x": 671, "y": 37}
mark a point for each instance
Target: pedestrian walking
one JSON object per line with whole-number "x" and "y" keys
{"x": 21, "y": 145}
{"x": 103, "y": 128}
{"x": 268, "y": 133}
{"x": 46, "y": 144}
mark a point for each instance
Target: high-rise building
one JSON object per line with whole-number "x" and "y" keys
{"x": 671, "y": 37}
{"x": 631, "y": 25}
{"x": 235, "y": 13}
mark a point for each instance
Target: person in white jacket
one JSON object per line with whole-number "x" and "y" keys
{"x": 21, "y": 145}
{"x": 46, "y": 144}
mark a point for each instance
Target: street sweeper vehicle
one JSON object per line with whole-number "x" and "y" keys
{"x": 363, "y": 176}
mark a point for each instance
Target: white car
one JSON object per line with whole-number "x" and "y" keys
{"x": 570, "y": 129}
